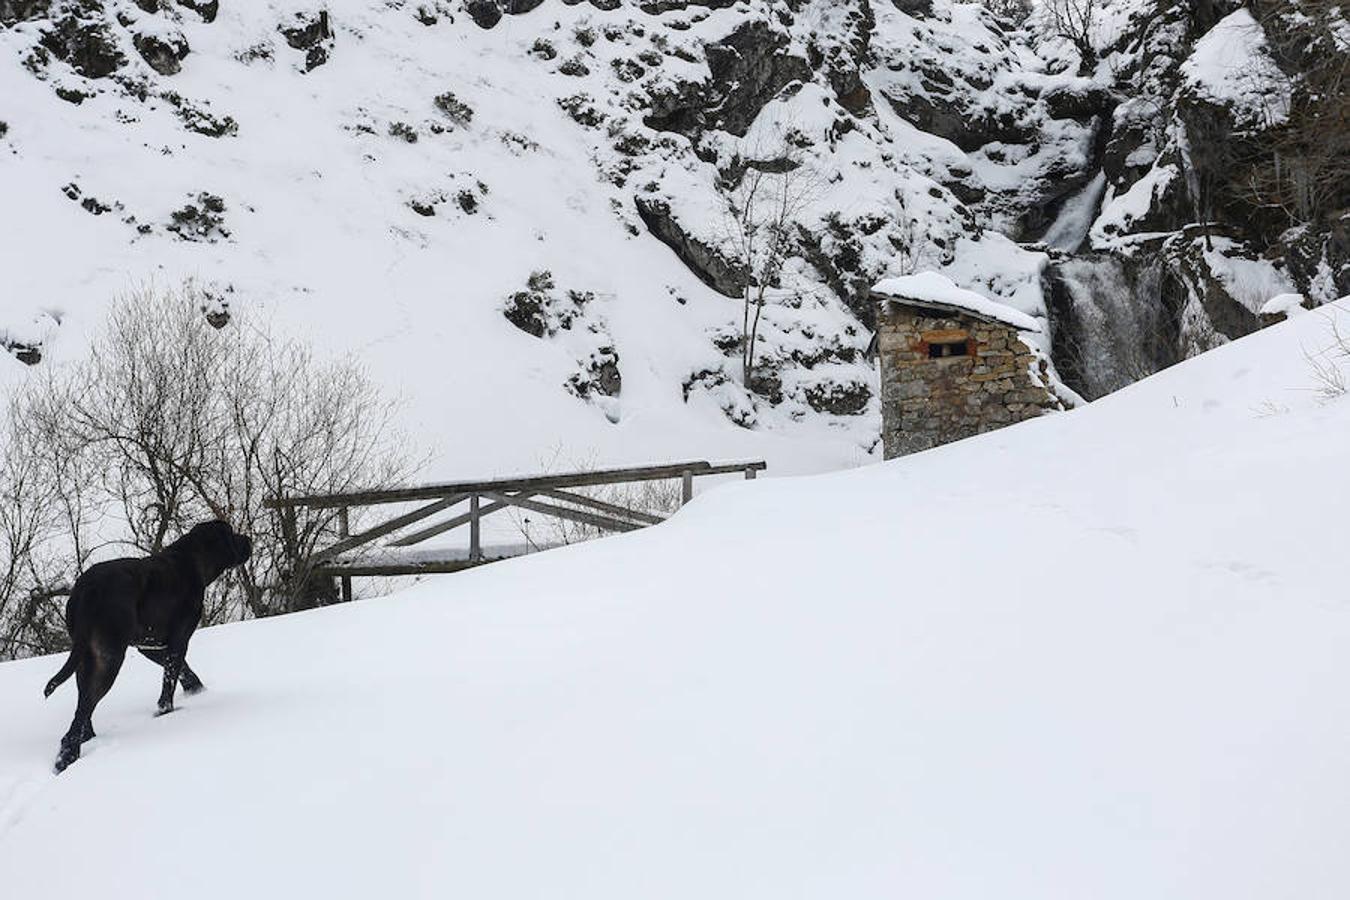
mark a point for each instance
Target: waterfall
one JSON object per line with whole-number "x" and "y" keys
{"x": 1076, "y": 216}
{"x": 1112, "y": 323}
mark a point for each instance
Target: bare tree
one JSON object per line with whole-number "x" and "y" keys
{"x": 761, "y": 215}
{"x": 1076, "y": 22}
{"x": 169, "y": 421}
{"x": 915, "y": 251}
{"x": 25, "y": 524}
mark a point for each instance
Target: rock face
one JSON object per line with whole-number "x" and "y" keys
{"x": 712, "y": 267}
{"x": 947, "y": 376}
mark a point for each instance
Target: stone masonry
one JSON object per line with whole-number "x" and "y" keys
{"x": 948, "y": 374}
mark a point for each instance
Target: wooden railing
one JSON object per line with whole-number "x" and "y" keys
{"x": 553, "y": 495}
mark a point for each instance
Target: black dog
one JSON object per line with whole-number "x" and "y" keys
{"x": 152, "y": 604}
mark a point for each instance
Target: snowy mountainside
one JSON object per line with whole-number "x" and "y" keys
{"x": 389, "y": 177}
{"x": 1002, "y": 673}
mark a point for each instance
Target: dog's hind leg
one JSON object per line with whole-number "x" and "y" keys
{"x": 95, "y": 673}
{"x": 189, "y": 680}
{"x": 173, "y": 666}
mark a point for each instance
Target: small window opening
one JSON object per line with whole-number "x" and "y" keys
{"x": 944, "y": 349}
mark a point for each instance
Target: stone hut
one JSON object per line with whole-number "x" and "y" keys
{"x": 954, "y": 364}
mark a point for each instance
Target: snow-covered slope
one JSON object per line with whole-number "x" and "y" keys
{"x": 1095, "y": 655}
{"x": 386, "y": 177}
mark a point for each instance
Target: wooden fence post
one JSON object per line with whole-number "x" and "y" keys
{"x": 750, "y": 473}
{"x": 475, "y": 536}
{"x": 687, "y": 487}
{"x": 344, "y": 531}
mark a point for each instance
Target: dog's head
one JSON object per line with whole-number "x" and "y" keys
{"x": 216, "y": 547}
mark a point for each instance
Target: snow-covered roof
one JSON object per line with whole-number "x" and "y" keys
{"x": 932, "y": 290}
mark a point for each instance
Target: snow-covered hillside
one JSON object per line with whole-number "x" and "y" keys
{"x": 385, "y": 177}
{"x": 1033, "y": 664}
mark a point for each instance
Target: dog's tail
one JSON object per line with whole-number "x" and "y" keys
{"x": 60, "y": 677}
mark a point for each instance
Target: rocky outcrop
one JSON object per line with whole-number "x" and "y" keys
{"x": 311, "y": 33}
{"x": 83, "y": 39}
{"x": 705, "y": 261}
{"x": 485, "y": 13}
{"x": 163, "y": 54}
{"x": 748, "y": 67}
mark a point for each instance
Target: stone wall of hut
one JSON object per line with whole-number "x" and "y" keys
{"x": 926, "y": 401}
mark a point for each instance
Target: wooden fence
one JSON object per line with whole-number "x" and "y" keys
{"x": 554, "y": 495}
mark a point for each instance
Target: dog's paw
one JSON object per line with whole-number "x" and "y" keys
{"x": 164, "y": 710}
{"x": 63, "y": 759}
{"x": 194, "y": 688}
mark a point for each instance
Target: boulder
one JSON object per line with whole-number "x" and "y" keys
{"x": 485, "y": 13}
{"x": 164, "y": 55}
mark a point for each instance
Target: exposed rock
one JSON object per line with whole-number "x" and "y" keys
{"x": 485, "y": 13}
{"x": 1319, "y": 258}
{"x": 86, "y": 44}
{"x": 540, "y": 311}
{"x": 202, "y": 220}
{"x": 216, "y": 307}
{"x": 312, "y": 33}
{"x": 710, "y": 265}
{"x": 15, "y": 11}
{"x": 949, "y": 113}
{"x": 164, "y": 55}
{"x": 749, "y": 68}
{"x": 1078, "y": 100}
{"x": 28, "y": 354}
{"x": 839, "y": 398}
{"x": 1132, "y": 145}
{"x": 917, "y": 8}
{"x": 207, "y": 9}
{"x": 1194, "y": 264}
{"x": 599, "y": 374}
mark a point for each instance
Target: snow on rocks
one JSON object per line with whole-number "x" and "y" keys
{"x": 1231, "y": 66}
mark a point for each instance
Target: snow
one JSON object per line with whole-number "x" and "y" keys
{"x": 1232, "y": 64}
{"x": 1099, "y": 654}
{"x": 1249, "y": 281}
{"x": 1285, "y": 304}
{"x": 936, "y": 288}
{"x": 1119, "y": 214}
